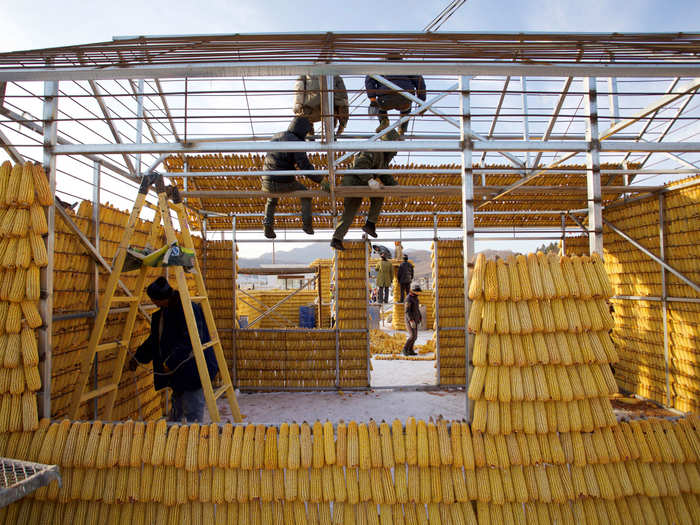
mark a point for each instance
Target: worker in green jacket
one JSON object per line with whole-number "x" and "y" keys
{"x": 367, "y": 160}
{"x": 385, "y": 276}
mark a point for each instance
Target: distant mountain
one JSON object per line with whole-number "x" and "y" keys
{"x": 301, "y": 256}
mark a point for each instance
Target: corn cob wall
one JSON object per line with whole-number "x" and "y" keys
{"x": 352, "y": 314}
{"x": 420, "y": 472}
{"x": 24, "y": 194}
{"x": 218, "y": 275}
{"x": 541, "y": 351}
{"x": 638, "y": 331}
{"x": 326, "y": 264}
{"x": 73, "y": 292}
{"x": 450, "y": 282}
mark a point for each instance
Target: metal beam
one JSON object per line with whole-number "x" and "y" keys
{"x": 277, "y": 271}
{"x": 595, "y": 198}
{"x": 305, "y": 284}
{"x": 492, "y": 127}
{"x": 295, "y": 68}
{"x": 649, "y": 254}
{"x": 10, "y": 149}
{"x": 280, "y": 318}
{"x": 555, "y": 115}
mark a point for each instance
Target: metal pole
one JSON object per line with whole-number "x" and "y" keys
{"x": 367, "y": 246}
{"x": 46, "y": 302}
{"x": 234, "y": 278}
{"x": 96, "y": 176}
{"x": 613, "y": 101}
{"x": 595, "y": 210}
{"x": 526, "y": 124}
{"x": 467, "y": 224}
{"x": 204, "y": 247}
{"x": 664, "y": 303}
{"x": 436, "y": 291}
{"x": 563, "y": 234}
{"x": 139, "y": 123}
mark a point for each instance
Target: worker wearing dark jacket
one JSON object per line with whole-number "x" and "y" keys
{"x": 405, "y": 276}
{"x": 368, "y": 160}
{"x": 170, "y": 349}
{"x": 413, "y": 319}
{"x": 298, "y": 130}
{"x": 382, "y": 98}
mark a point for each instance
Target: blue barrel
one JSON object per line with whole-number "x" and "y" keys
{"x": 307, "y": 316}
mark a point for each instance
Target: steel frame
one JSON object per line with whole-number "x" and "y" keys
{"x": 582, "y": 61}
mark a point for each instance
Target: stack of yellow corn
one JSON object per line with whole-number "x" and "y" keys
{"x": 24, "y": 193}
{"x": 352, "y": 314}
{"x": 541, "y": 352}
{"x": 217, "y": 269}
{"x": 383, "y": 343}
{"x": 639, "y": 327}
{"x": 388, "y": 472}
{"x": 450, "y": 298}
{"x": 326, "y": 265}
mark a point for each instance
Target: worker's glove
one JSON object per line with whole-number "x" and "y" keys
{"x": 373, "y": 108}
{"x": 132, "y": 365}
{"x": 325, "y": 186}
{"x": 374, "y": 184}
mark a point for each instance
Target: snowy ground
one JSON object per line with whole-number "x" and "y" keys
{"x": 379, "y": 404}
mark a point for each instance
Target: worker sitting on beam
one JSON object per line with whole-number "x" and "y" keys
{"x": 383, "y": 98}
{"x": 307, "y": 100}
{"x": 299, "y": 130}
{"x": 368, "y": 160}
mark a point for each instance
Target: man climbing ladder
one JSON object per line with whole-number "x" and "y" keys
{"x": 121, "y": 345}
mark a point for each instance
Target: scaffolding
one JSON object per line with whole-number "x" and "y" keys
{"x": 614, "y": 116}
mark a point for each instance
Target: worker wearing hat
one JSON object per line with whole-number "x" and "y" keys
{"x": 413, "y": 319}
{"x": 405, "y": 275}
{"x": 169, "y": 348}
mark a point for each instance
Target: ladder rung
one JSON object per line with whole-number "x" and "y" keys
{"x": 209, "y": 344}
{"x": 198, "y": 298}
{"x": 126, "y": 299}
{"x": 221, "y": 390}
{"x": 106, "y": 347}
{"x": 97, "y": 392}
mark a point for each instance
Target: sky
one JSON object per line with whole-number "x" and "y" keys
{"x": 43, "y": 23}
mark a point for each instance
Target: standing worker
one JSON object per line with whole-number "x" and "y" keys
{"x": 413, "y": 319}
{"x": 170, "y": 349}
{"x": 382, "y": 98}
{"x": 307, "y": 100}
{"x": 367, "y": 160}
{"x": 384, "y": 277}
{"x": 298, "y": 131}
{"x": 405, "y": 276}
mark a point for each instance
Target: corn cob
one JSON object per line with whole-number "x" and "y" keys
{"x": 476, "y": 285}
{"x": 479, "y": 352}
{"x": 399, "y": 445}
{"x": 535, "y": 276}
{"x": 342, "y": 450}
{"x": 37, "y": 220}
{"x": 548, "y": 287}
{"x": 475, "y": 313}
{"x": 38, "y": 249}
{"x": 491, "y": 281}
{"x": 502, "y": 324}
{"x": 41, "y": 186}
{"x": 524, "y": 277}
{"x": 488, "y": 321}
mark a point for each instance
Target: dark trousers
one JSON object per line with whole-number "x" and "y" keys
{"x": 383, "y": 294}
{"x": 405, "y": 288}
{"x": 392, "y": 101}
{"x": 285, "y": 187}
{"x": 412, "y": 336}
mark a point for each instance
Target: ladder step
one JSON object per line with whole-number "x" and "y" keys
{"x": 106, "y": 347}
{"x": 97, "y": 392}
{"x": 199, "y": 298}
{"x": 126, "y": 299}
{"x": 221, "y": 390}
{"x": 209, "y": 344}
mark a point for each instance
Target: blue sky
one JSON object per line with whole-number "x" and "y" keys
{"x": 44, "y": 23}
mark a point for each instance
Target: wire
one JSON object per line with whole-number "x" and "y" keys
{"x": 444, "y": 15}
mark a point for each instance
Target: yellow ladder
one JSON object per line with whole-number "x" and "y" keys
{"x": 81, "y": 394}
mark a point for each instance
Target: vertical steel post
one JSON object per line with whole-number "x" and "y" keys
{"x": 563, "y": 234}
{"x": 234, "y": 275}
{"x": 96, "y": 179}
{"x": 613, "y": 101}
{"x": 526, "y": 123}
{"x": 595, "y": 210}
{"x": 46, "y": 303}
{"x": 327, "y": 116}
{"x": 467, "y": 223}
{"x": 664, "y": 295}
{"x": 436, "y": 292}
{"x": 139, "y": 123}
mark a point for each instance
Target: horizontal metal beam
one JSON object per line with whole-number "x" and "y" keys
{"x": 296, "y": 68}
{"x": 651, "y": 255}
{"x": 656, "y": 299}
{"x": 573, "y": 146}
{"x": 278, "y": 271}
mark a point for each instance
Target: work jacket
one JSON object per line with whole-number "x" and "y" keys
{"x": 385, "y": 273}
{"x": 172, "y": 348}
{"x": 307, "y": 98}
{"x": 414, "y": 84}
{"x": 289, "y": 160}
{"x": 405, "y": 273}
{"x": 412, "y": 308}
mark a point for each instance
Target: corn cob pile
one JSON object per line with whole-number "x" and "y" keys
{"x": 383, "y": 343}
{"x": 24, "y": 193}
{"x": 352, "y": 314}
{"x": 218, "y": 276}
{"x": 450, "y": 297}
{"x": 427, "y": 348}
{"x": 638, "y": 332}
{"x": 286, "y": 315}
{"x": 73, "y": 292}
{"x": 285, "y": 359}
{"x": 541, "y": 351}
{"x": 417, "y": 472}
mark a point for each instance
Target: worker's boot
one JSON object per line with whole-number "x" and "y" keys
{"x": 337, "y": 244}
{"x": 383, "y": 124}
{"x": 308, "y": 229}
{"x": 370, "y": 229}
{"x": 270, "y": 231}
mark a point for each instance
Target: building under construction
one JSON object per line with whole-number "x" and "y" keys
{"x": 587, "y": 139}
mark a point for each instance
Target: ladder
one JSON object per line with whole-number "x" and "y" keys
{"x": 81, "y": 394}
